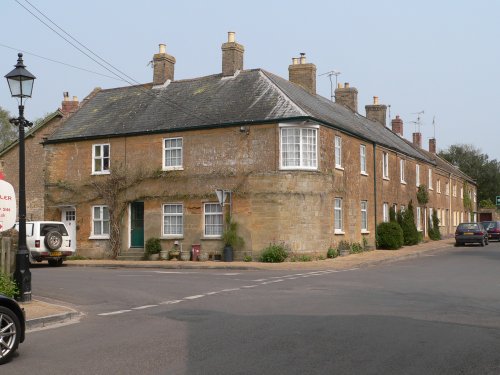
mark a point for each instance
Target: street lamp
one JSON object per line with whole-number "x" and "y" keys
{"x": 21, "y": 85}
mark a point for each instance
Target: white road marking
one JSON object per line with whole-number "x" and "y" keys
{"x": 177, "y": 272}
{"x": 259, "y": 280}
{"x": 195, "y": 297}
{"x": 211, "y": 293}
{"x": 143, "y": 307}
{"x": 170, "y": 302}
{"x": 114, "y": 312}
{"x": 229, "y": 274}
{"x": 229, "y": 290}
{"x": 249, "y": 286}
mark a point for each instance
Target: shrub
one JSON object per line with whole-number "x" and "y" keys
{"x": 153, "y": 246}
{"x": 356, "y": 248}
{"x": 332, "y": 253}
{"x": 7, "y": 286}
{"x": 422, "y": 195}
{"x": 434, "y": 233}
{"x": 247, "y": 258}
{"x": 389, "y": 236}
{"x": 274, "y": 253}
{"x": 410, "y": 232}
{"x": 301, "y": 258}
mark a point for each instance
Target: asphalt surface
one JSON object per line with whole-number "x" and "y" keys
{"x": 433, "y": 314}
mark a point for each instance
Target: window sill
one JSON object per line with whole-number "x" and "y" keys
{"x": 386, "y": 178}
{"x": 166, "y": 169}
{"x": 298, "y": 168}
{"x": 365, "y": 232}
{"x": 339, "y": 167}
{"x": 403, "y": 182}
{"x": 172, "y": 237}
{"x": 364, "y": 174}
{"x": 211, "y": 238}
{"x": 99, "y": 237}
{"x": 339, "y": 232}
{"x": 100, "y": 173}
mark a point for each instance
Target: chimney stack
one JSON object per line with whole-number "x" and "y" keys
{"x": 347, "y": 96}
{"x": 302, "y": 73}
{"x": 417, "y": 139}
{"x": 232, "y": 56}
{"x": 432, "y": 145}
{"x": 69, "y": 106}
{"x": 376, "y": 112}
{"x": 397, "y": 126}
{"x": 163, "y": 66}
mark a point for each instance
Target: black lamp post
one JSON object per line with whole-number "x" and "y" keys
{"x": 21, "y": 85}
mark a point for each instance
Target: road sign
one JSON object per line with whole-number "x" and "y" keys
{"x": 498, "y": 200}
{"x": 7, "y": 206}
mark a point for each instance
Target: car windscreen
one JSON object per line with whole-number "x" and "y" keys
{"x": 468, "y": 226}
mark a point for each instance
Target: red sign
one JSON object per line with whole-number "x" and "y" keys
{"x": 8, "y": 209}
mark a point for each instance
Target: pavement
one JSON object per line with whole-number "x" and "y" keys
{"x": 42, "y": 313}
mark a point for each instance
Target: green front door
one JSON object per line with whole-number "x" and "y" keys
{"x": 137, "y": 224}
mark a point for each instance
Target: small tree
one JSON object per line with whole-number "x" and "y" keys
{"x": 434, "y": 233}
{"x": 389, "y": 236}
{"x": 410, "y": 232}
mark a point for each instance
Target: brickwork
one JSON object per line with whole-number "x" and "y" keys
{"x": 232, "y": 58}
{"x": 34, "y": 166}
{"x": 303, "y": 75}
{"x": 347, "y": 96}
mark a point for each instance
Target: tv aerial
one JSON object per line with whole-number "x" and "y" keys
{"x": 418, "y": 123}
{"x": 330, "y": 74}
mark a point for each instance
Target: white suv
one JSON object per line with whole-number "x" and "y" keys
{"x": 48, "y": 240}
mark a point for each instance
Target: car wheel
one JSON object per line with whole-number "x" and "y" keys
{"x": 55, "y": 262}
{"x": 53, "y": 240}
{"x": 10, "y": 329}
{"x": 457, "y": 244}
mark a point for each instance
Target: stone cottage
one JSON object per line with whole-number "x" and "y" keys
{"x": 145, "y": 161}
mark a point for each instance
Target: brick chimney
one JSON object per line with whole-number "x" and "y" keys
{"x": 376, "y": 112}
{"x": 232, "y": 56}
{"x": 163, "y": 66}
{"x": 432, "y": 145}
{"x": 417, "y": 139}
{"x": 347, "y": 96}
{"x": 69, "y": 106}
{"x": 302, "y": 73}
{"x": 397, "y": 126}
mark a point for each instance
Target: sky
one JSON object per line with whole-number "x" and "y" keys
{"x": 434, "y": 60}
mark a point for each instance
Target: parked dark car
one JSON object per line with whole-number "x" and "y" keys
{"x": 471, "y": 233}
{"x": 12, "y": 327}
{"x": 493, "y": 228}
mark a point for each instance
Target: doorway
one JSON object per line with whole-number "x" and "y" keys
{"x": 137, "y": 224}
{"x": 68, "y": 217}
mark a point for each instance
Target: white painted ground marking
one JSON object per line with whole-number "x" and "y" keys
{"x": 114, "y": 312}
{"x": 143, "y": 307}
{"x": 276, "y": 281}
{"x": 259, "y": 280}
{"x": 229, "y": 274}
{"x": 178, "y": 272}
{"x": 249, "y": 286}
{"x": 229, "y": 290}
{"x": 292, "y": 278}
{"x": 134, "y": 275}
{"x": 170, "y": 302}
{"x": 195, "y": 297}
{"x": 211, "y": 293}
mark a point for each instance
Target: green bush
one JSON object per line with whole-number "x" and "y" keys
{"x": 332, "y": 253}
{"x": 300, "y": 258}
{"x": 389, "y": 236}
{"x": 153, "y": 246}
{"x": 7, "y": 286}
{"x": 356, "y": 248}
{"x": 247, "y": 258}
{"x": 274, "y": 253}
{"x": 434, "y": 233}
{"x": 410, "y": 232}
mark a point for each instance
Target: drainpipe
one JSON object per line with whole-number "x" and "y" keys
{"x": 375, "y": 187}
{"x": 449, "y": 205}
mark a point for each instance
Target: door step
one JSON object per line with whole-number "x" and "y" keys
{"x": 135, "y": 254}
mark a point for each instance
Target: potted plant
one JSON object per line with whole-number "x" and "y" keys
{"x": 174, "y": 251}
{"x": 231, "y": 239}
{"x": 153, "y": 248}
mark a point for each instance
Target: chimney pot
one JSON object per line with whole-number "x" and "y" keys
{"x": 347, "y": 96}
{"x": 65, "y": 95}
{"x": 75, "y": 98}
{"x": 346, "y": 85}
{"x": 69, "y": 106}
{"x": 375, "y": 100}
{"x": 302, "y": 58}
{"x": 231, "y": 37}
{"x": 163, "y": 66}
{"x": 295, "y": 60}
{"x": 163, "y": 48}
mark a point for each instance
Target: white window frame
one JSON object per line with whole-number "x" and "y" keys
{"x": 462, "y": 192}
{"x": 173, "y": 222}
{"x": 447, "y": 188}
{"x": 338, "y": 222}
{"x": 206, "y": 215}
{"x": 402, "y": 165}
{"x": 338, "y": 152}
{"x": 362, "y": 159}
{"x": 431, "y": 224}
{"x": 455, "y": 190}
{"x": 101, "y": 158}
{"x": 419, "y": 219}
{"x": 385, "y": 165}
{"x": 173, "y": 149}
{"x": 364, "y": 217}
{"x": 417, "y": 175}
{"x": 302, "y": 163}
{"x": 430, "y": 180}
{"x": 100, "y": 219}
{"x": 438, "y": 186}
{"x": 385, "y": 212}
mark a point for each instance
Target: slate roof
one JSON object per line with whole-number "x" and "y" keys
{"x": 252, "y": 96}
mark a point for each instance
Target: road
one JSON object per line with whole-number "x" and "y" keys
{"x": 432, "y": 315}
